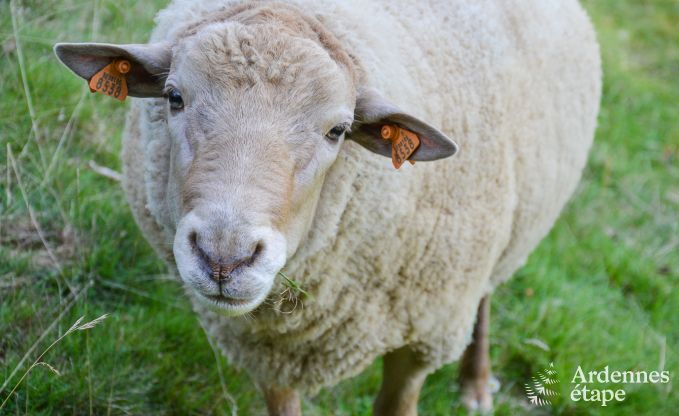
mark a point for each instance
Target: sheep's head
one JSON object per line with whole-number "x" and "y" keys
{"x": 257, "y": 114}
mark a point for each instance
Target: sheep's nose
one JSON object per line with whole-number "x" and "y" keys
{"x": 220, "y": 266}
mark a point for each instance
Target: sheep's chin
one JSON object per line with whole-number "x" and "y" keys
{"x": 230, "y": 307}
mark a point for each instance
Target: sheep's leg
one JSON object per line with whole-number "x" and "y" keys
{"x": 282, "y": 401}
{"x": 402, "y": 378}
{"x": 476, "y": 381}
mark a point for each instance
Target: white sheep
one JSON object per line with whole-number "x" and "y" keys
{"x": 258, "y": 150}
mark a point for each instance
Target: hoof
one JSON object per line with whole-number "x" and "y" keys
{"x": 477, "y": 395}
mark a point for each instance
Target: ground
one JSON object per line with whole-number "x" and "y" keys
{"x": 600, "y": 289}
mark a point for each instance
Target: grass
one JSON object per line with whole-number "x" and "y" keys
{"x": 600, "y": 290}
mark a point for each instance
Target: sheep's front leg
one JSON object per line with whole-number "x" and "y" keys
{"x": 282, "y": 401}
{"x": 402, "y": 378}
{"x": 476, "y": 381}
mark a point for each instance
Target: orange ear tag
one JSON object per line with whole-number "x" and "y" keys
{"x": 403, "y": 143}
{"x": 111, "y": 79}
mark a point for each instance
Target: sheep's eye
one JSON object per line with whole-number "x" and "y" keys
{"x": 336, "y": 132}
{"x": 175, "y": 99}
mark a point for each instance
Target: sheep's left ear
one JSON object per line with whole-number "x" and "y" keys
{"x": 150, "y": 63}
{"x": 373, "y": 111}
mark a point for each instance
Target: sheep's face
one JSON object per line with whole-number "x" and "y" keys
{"x": 256, "y": 115}
{"x": 256, "y": 120}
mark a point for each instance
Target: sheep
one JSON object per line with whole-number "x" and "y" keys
{"x": 255, "y": 158}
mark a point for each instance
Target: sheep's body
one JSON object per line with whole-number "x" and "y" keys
{"x": 403, "y": 257}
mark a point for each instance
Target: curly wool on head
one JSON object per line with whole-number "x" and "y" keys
{"x": 246, "y": 56}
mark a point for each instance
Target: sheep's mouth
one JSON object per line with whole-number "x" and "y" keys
{"x": 227, "y": 305}
{"x": 222, "y": 300}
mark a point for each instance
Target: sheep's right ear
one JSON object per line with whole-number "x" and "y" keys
{"x": 373, "y": 111}
{"x": 150, "y": 63}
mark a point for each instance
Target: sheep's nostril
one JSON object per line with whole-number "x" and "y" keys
{"x": 193, "y": 240}
{"x": 209, "y": 266}
{"x": 259, "y": 247}
{"x": 229, "y": 267}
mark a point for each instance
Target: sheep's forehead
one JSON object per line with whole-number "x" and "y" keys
{"x": 230, "y": 57}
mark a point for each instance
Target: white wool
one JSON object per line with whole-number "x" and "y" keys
{"x": 403, "y": 257}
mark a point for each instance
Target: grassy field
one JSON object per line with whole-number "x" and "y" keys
{"x": 600, "y": 290}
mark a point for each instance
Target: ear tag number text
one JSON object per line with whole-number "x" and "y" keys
{"x": 403, "y": 143}
{"x": 110, "y": 80}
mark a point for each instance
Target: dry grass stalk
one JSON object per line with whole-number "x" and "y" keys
{"x": 42, "y": 336}
{"x": 77, "y": 326}
{"x": 104, "y": 171}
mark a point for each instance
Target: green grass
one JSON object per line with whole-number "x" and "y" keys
{"x": 600, "y": 290}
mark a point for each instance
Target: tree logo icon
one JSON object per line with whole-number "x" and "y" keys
{"x": 541, "y": 389}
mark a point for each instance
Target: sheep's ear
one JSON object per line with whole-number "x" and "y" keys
{"x": 150, "y": 63}
{"x": 373, "y": 111}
